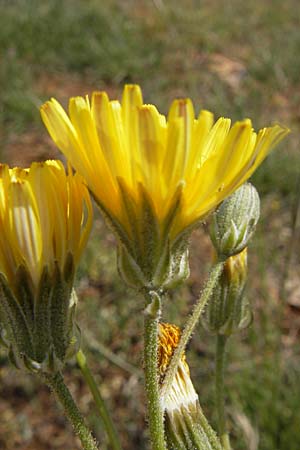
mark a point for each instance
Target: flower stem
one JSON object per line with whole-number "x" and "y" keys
{"x": 56, "y": 384}
{"x": 100, "y": 404}
{"x": 190, "y": 326}
{"x": 220, "y": 397}
{"x": 155, "y": 412}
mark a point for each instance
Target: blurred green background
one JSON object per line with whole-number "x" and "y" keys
{"x": 237, "y": 59}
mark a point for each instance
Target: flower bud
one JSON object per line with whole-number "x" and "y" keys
{"x": 228, "y": 310}
{"x": 234, "y": 222}
{"x": 185, "y": 424}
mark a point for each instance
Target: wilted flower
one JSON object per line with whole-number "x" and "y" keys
{"x": 154, "y": 177}
{"x": 45, "y": 219}
{"x": 185, "y": 424}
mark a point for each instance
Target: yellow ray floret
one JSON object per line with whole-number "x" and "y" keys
{"x": 130, "y": 147}
{"x": 45, "y": 215}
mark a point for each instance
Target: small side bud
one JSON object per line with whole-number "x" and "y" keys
{"x": 234, "y": 222}
{"x": 228, "y": 310}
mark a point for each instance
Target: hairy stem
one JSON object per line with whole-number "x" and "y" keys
{"x": 220, "y": 396}
{"x": 190, "y": 326}
{"x": 56, "y": 384}
{"x": 155, "y": 412}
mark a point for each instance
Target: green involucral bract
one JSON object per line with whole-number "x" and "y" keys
{"x": 147, "y": 257}
{"x": 186, "y": 427}
{"x": 37, "y": 326}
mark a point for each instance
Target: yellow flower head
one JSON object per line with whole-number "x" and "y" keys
{"x": 45, "y": 219}
{"x": 155, "y": 177}
{"x": 45, "y": 215}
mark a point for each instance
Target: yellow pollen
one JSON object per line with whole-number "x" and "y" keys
{"x": 169, "y": 336}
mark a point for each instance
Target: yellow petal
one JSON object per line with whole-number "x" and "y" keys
{"x": 133, "y": 142}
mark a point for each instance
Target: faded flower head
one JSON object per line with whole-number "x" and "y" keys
{"x": 183, "y": 392}
{"x": 185, "y": 424}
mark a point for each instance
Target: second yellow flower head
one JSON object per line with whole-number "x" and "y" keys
{"x": 45, "y": 215}
{"x": 45, "y": 220}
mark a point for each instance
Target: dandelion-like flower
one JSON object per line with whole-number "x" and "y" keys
{"x": 154, "y": 177}
{"x": 45, "y": 219}
{"x": 185, "y": 424}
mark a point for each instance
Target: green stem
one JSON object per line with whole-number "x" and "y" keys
{"x": 220, "y": 396}
{"x": 57, "y": 385}
{"x": 155, "y": 412}
{"x": 100, "y": 404}
{"x": 190, "y": 326}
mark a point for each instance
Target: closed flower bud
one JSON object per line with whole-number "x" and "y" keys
{"x": 185, "y": 424}
{"x": 228, "y": 310}
{"x": 45, "y": 219}
{"x": 234, "y": 222}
